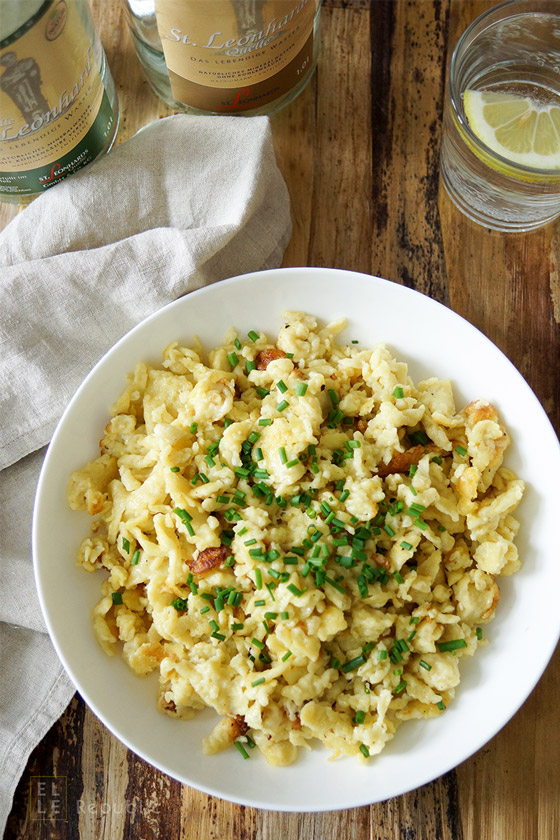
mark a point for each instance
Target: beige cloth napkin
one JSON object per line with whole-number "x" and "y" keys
{"x": 186, "y": 202}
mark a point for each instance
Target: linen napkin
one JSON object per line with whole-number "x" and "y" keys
{"x": 186, "y": 202}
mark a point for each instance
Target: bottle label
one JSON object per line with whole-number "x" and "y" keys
{"x": 230, "y": 56}
{"x": 55, "y": 116}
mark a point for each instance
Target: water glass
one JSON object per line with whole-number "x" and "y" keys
{"x": 512, "y": 48}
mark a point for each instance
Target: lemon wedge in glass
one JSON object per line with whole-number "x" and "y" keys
{"x": 516, "y": 127}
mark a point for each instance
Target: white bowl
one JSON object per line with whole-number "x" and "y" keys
{"x": 435, "y": 342}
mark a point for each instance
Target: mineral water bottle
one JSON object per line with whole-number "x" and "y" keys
{"x": 58, "y": 106}
{"x": 238, "y": 57}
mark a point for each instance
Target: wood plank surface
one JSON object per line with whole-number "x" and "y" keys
{"x": 359, "y": 150}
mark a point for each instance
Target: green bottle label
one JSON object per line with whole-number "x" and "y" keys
{"x": 55, "y": 115}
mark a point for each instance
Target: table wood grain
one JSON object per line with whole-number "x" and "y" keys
{"x": 359, "y": 151}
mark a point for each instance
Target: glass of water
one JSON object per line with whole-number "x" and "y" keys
{"x": 500, "y": 153}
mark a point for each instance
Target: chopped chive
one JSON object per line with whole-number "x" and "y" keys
{"x": 333, "y": 395}
{"x": 237, "y": 344}
{"x": 286, "y": 655}
{"x": 135, "y": 558}
{"x": 406, "y": 545}
{"x": 414, "y": 619}
{"x": 359, "y": 717}
{"x": 383, "y": 654}
{"x": 253, "y": 335}
{"x": 126, "y": 545}
{"x": 364, "y": 750}
{"x": 259, "y": 456}
{"x": 258, "y": 643}
{"x": 413, "y": 470}
{"x": 180, "y": 604}
{"x": 222, "y": 500}
{"x": 282, "y": 405}
{"x": 441, "y": 705}
{"x": 353, "y": 663}
{"x": 285, "y": 615}
{"x": 283, "y": 456}
{"x": 265, "y": 421}
{"x": 293, "y": 463}
{"x": 262, "y": 392}
{"x": 425, "y": 665}
{"x": 437, "y": 460}
{"x": 281, "y": 385}
{"x": 237, "y": 626}
{"x": 400, "y": 687}
{"x": 249, "y": 366}
{"x": 204, "y": 609}
{"x": 241, "y": 748}
{"x": 209, "y": 460}
{"x": 294, "y": 590}
{"x": 460, "y": 450}
{"x": 301, "y": 389}
{"x": 258, "y": 578}
{"x": 233, "y": 359}
{"x": 479, "y": 633}
{"x": 260, "y": 603}
{"x": 258, "y": 682}
{"x": 117, "y": 598}
{"x": 421, "y": 524}
{"x": 452, "y": 644}
{"x": 419, "y": 437}
{"x": 389, "y": 530}
{"x": 398, "y": 393}
{"x": 398, "y": 577}
{"x": 193, "y": 428}
{"x": 175, "y": 469}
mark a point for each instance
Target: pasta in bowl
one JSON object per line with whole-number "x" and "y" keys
{"x": 298, "y": 536}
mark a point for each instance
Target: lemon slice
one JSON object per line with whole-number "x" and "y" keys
{"x": 516, "y": 127}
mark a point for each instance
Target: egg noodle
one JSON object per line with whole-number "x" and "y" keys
{"x": 298, "y": 537}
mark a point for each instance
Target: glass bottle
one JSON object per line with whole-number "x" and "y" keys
{"x": 241, "y": 57}
{"x": 58, "y": 106}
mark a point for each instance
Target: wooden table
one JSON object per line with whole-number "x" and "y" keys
{"x": 359, "y": 151}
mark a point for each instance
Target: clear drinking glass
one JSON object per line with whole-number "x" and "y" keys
{"x": 512, "y": 48}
